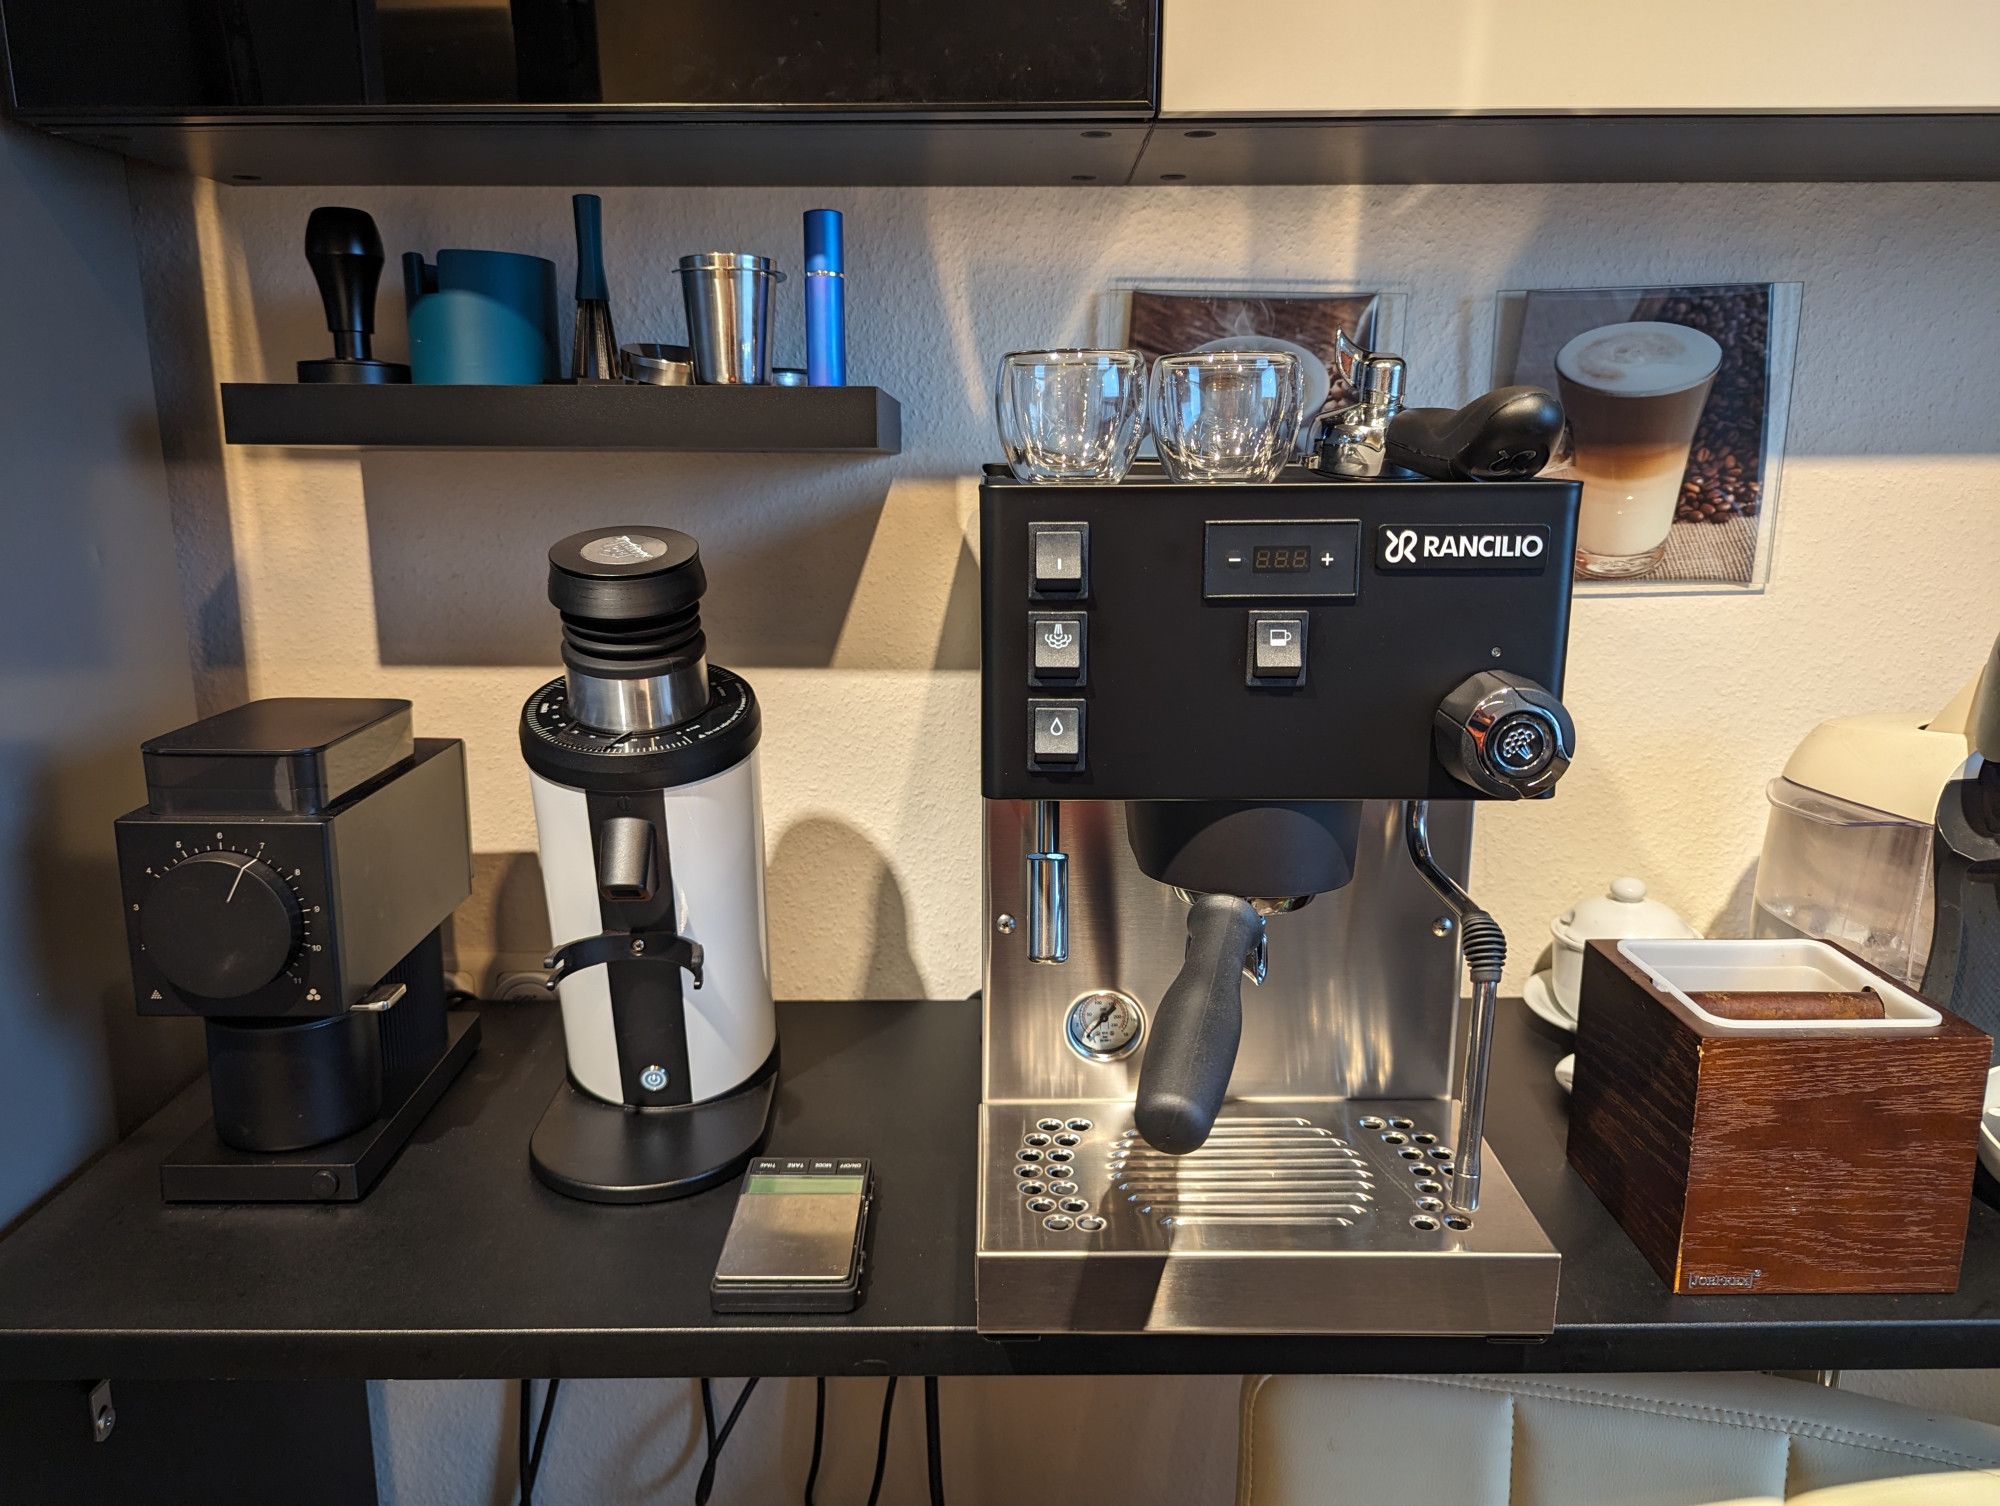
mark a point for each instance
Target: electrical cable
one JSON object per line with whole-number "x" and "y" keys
{"x": 882, "y": 1442}
{"x": 530, "y": 1455}
{"x": 717, "y": 1437}
{"x": 933, "y": 1445}
{"x": 819, "y": 1434}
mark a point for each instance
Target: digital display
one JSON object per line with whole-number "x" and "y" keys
{"x": 1280, "y": 559}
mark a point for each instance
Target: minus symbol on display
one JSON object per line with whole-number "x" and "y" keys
{"x": 1234, "y": 559}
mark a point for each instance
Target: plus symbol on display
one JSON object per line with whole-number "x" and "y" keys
{"x": 1327, "y": 558}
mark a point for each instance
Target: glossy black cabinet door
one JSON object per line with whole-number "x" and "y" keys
{"x": 196, "y": 56}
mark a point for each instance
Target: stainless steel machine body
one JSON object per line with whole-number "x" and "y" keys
{"x": 1230, "y": 741}
{"x": 1320, "y": 1203}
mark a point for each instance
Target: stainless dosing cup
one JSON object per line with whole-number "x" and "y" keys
{"x": 728, "y": 296}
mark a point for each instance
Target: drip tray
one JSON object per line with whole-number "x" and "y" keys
{"x": 1322, "y": 1216}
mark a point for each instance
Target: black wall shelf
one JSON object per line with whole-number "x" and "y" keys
{"x": 620, "y": 416}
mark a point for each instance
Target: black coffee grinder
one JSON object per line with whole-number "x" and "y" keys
{"x": 287, "y": 881}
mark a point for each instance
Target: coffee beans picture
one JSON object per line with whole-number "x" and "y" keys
{"x": 1726, "y": 466}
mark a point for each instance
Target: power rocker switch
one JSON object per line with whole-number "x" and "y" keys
{"x": 1056, "y": 648}
{"x": 1056, "y": 741}
{"x": 1277, "y": 653}
{"x": 1059, "y": 558}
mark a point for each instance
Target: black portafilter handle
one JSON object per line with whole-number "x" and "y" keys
{"x": 345, "y": 252}
{"x": 1507, "y": 435}
{"x": 1196, "y": 1028}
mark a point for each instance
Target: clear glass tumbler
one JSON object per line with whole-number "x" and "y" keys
{"x": 1227, "y": 415}
{"x": 1071, "y": 415}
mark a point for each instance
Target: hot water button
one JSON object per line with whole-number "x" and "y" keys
{"x": 1057, "y": 740}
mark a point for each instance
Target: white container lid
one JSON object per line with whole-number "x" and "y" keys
{"x": 1622, "y": 912}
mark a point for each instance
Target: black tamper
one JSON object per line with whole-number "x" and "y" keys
{"x": 345, "y": 252}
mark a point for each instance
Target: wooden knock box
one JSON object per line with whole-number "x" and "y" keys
{"x": 1775, "y": 1116}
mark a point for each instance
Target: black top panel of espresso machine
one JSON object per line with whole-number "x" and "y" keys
{"x": 1299, "y": 640}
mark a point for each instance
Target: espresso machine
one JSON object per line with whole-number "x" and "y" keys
{"x": 1231, "y": 741}
{"x": 287, "y": 881}
{"x": 642, "y": 759}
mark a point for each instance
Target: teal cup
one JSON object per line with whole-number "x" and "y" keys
{"x": 482, "y": 318}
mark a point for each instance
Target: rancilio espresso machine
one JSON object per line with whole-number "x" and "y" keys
{"x": 1231, "y": 740}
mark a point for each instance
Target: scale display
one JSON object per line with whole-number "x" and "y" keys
{"x": 1281, "y": 558}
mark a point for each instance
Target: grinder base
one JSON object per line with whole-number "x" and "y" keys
{"x": 610, "y": 1153}
{"x": 204, "y": 1170}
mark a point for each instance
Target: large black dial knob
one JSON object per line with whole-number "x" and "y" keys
{"x": 220, "y": 925}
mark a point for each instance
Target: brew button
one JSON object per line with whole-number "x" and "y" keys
{"x": 1056, "y": 646}
{"x": 1058, "y": 557}
{"x": 1277, "y": 649}
{"x": 1058, "y": 735}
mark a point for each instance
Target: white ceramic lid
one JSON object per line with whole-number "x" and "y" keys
{"x": 1622, "y": 912}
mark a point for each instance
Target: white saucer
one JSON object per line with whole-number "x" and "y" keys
{"x": 1566, "y": 1079}
{"x": 1539, "y": 994}
{"x": 1989, "y": 1124}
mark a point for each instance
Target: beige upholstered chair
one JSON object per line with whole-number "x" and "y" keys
{"x": 1600, "y": 1440}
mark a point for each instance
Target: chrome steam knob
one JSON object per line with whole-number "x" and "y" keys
{"x": 1504, "y": 735}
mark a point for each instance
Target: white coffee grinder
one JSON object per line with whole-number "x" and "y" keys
{"x": 643, "y": 763}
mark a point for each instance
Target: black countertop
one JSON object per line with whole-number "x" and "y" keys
{"x": 461, "y": 1264}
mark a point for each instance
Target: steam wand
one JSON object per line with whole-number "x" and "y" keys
{"x": 1485, "y": 948}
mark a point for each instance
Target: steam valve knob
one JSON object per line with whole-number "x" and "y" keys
{"x": 1504, "y": 735}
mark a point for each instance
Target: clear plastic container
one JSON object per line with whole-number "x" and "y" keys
{"x": 1846, "y": 873}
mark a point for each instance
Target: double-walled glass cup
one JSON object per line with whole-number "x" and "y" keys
{"x": 1071, "y": 415}
{"x": 1227, "y": 415}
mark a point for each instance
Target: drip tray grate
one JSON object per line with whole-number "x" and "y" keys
{"x": 1253, "y": 1170}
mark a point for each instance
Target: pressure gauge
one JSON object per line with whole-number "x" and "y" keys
{"x": 1105, "y": 1026}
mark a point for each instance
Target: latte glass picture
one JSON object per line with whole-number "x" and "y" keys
{"x": 1676, "y": 400}
{"x": 1634, "y": 394}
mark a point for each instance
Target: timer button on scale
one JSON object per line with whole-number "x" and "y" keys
{"x": 1277, "y": 649}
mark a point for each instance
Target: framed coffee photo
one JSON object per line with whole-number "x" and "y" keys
{"x": 1168, "y": 316}
{"x": 1677, "y": 400}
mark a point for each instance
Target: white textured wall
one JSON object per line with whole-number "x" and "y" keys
{"x": 847, "y": 589}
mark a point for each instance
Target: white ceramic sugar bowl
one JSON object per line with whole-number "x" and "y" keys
{"x": 1621, "y": 913}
